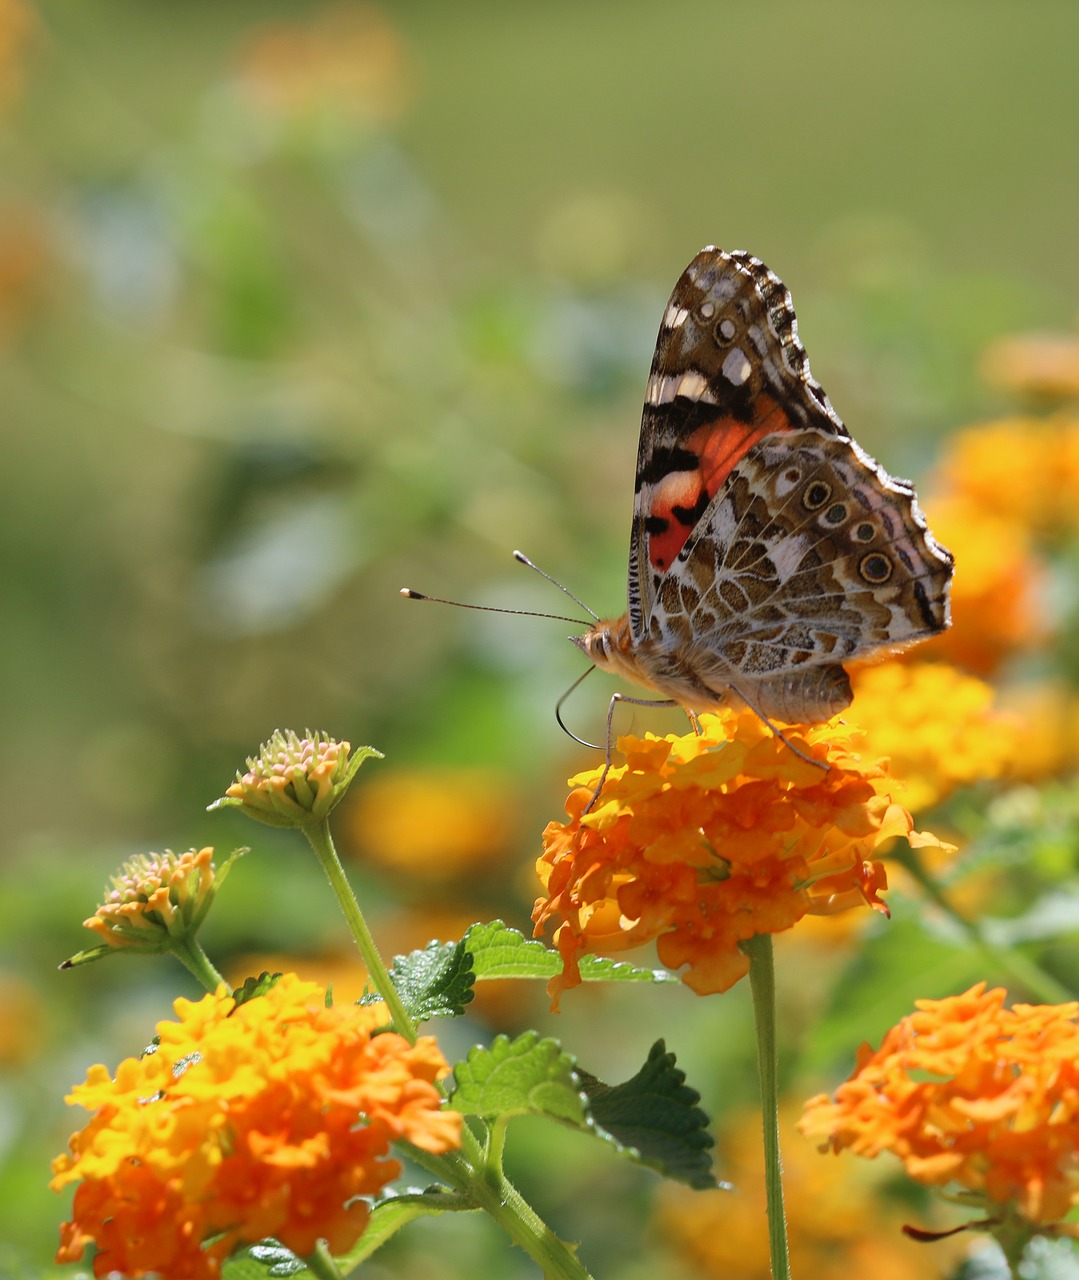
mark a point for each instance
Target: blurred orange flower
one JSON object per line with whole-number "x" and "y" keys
{"x": 829, "y": 1209}
{"x": 17, "y": 24}
{"x": 998, "y": 591}
{"x": 702, "y": 842}
{"x": 349, "y": 58}
{"x": 1024, "y": 471}
{"x": 1044, "y": 366}
{"x": 267, "y": 1118}
{"x": 24, "y": 255}
{"x": 434, "y": 822}
{"x": 968, "y": 1092}
{"x": 936, "y": 725}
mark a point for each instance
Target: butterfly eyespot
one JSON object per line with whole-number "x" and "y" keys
{"x": 792, "y": 475}
{"x": 864, "y": 532}
{"x": 875, "y": 568}
{"x": 725, "y": 331}
{"x": 706, "y": 310}
{"x": 816, "y": 495}
{"x": 836, "y": 513}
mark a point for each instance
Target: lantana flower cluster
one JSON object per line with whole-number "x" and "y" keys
{"x": 154, "y": 898}
{"x": 700, "y": 842}
{"x": 968, "y": 1092}
{"x": 267, "y": 1118}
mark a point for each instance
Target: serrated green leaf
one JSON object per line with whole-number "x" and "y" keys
{"x": 501, "y": 952}
{"x": 262, "y": 1261}
{"x": 269, "y": 1260}
{"x": 514, "y": 1077}
{"x": 253, "y": 987}
{"x": 654, "y": 1117}
{"x": 390, "y": 1214}
{"x": 435, "y": 981}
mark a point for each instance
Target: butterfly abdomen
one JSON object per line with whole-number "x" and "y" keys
{"x": 809, "y": 696}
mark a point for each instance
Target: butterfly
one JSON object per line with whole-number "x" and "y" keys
{"x": 768, "y": 548}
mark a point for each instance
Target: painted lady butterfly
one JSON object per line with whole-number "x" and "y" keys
{"x": 768, "y": 547}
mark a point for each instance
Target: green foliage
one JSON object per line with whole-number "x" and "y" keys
{"x": 501, "y": 952}
{"x": 655, "y": 1117}
{"x": 434, "y": 982}
{"x": 652, "y": 1118}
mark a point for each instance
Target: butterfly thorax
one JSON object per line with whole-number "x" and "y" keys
{"x": 700, "y": 679}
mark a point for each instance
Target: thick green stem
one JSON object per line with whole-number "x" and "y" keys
{"x": 1017, "y": 967}
{"x": 320, "y": 840}
{"x": 763, "y": 985}
{"x": 321, "y": 1264}
{"x": 190, "y": 954}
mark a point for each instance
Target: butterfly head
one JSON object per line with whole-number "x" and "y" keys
{"x": 608, "y": 645}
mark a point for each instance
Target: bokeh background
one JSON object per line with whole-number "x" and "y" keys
{"x": 302, "y": 303}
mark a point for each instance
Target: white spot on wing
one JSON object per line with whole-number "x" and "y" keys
{"x": 694, "y": 386}
{"x": 736, "y": 368}
{"x": 675, "y": 317}
{"x": 787, "y": 555}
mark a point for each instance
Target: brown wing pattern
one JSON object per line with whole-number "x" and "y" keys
{"x": 728, "y": 372}
{"x": 811, "y": 554}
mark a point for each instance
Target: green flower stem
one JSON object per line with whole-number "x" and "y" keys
{"x": 189, "y": 952}
{"x": 475, "y": 1172}
{"x": 321, "y": 1264}
{"x": 492, "y": 1191}
{"x": 762, "y": 982}
{"x": 318, "y": 835}
{"x": 1017, "y": 967}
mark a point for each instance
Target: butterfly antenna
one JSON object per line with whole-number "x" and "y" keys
{"x": 409, "y": 594}
{"x": 523, "y": 559}
{"x": 595, "y": 746}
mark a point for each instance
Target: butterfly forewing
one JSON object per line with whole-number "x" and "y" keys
{"x": 728, "y": 370}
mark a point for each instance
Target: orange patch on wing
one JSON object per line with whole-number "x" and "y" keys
{"x": 719, "y": 445}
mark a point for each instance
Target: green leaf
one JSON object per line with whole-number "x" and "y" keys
{"x": 259, "y": 1261}
{"x": 268, "y": 1259}
{"x": 391, "y": 1213}
{"x": 516, "y": 1077}
{"x": 436, "y": 981}
{"x": 251, "y": 988}
{"x": 501, "y": 952}
{"x": 654, "y": 1117}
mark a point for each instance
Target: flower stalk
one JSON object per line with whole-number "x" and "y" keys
{"x": 763, "y": 987}
{"x": 1017, "y": 967}
{"x": 320, "y": 840}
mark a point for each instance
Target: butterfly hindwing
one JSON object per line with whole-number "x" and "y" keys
{"x": 809, "y": 554}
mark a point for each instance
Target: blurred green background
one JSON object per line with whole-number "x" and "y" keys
{"x": 302, "y": 303}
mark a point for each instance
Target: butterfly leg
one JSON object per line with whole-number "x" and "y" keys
{"x": 821, "y": 764}
{"x": 615, "y": 700}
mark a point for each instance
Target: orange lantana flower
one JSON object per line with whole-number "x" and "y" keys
{"x": 999, "y": 596}
{"x": 295, "y": 781}
{"x": 264, "y": 1119}
{"x": 968, "y": 1092}
{"x": 1022, "y": 470}
{"x": 936, "y": 725}
{"x": 718, "y": 1236}
{"x": 156, "y": 898}
{"x": 702, "y": 842}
